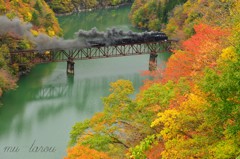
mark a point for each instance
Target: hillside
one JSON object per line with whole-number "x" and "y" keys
{"x": 191, "y": 109}
{"x": 152, "y": 15}
{"x": 62, "y": 6}
{"x": 43, "y": 19}
{"x": 36, "y": 12}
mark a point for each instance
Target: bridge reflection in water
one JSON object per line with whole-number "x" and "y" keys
{"x": 78, "y": 96}
{"x": 55, "y": 90}
{"x": 72, "y": 88}
{"x": 94, "y": 52}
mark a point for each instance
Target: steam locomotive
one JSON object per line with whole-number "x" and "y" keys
{"x": 128, "y": 40}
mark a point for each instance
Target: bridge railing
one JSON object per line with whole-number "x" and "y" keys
{"x": 26, "y": 57}
{"x": 60, "y": 55}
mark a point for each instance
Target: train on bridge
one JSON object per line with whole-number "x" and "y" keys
{"x": 147, "y": 37}
{"x": 102, "y": 46}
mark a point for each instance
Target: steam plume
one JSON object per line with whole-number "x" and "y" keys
{"x": 109, "y": 36}
{"x": 43, "y": 41}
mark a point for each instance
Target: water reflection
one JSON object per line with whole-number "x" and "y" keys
{"x": 79, "y": 90}
{"x": 58, "y": 96}
{"x": 37, "y": 101}
{"x": 48, "y": 103}
{"x": 52, "y": 97}
{"x": 103, "y": 18}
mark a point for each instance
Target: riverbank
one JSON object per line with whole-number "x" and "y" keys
{"x": 47, "y": 96}
{"x": 12, "y": 39}
{"x": 79, "y": 10}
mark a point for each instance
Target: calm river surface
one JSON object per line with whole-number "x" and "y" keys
{"x": 47, "y": 103}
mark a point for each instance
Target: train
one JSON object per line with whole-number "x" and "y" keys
{"x": 129, "y": 39}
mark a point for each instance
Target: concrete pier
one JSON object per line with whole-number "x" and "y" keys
{"x": 70, "y": 66}
{"x": 153, "y": 61}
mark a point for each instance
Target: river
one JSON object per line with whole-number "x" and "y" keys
{"x": 47, "y": 103}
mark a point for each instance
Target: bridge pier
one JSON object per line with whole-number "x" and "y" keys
{"x": 70, "y": 66}
{"x": 96, "y": 50}
{"x": 153, "y": 61}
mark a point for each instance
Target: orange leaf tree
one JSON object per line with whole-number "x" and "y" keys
{"x": 84, "y": 152}
{"x": 201, "y": 50}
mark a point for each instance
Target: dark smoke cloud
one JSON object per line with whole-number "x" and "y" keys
{"x": 109, "y": 36}
{"x": 42, "y": 41}
{"x": 14, "y": 26}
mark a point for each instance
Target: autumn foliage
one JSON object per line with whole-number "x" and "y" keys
{"x": 83, "y": 152}
{"x": 36, "y": 12}
{"x": 42, "y": 18}
{"x": 204, "y": 122}
{"x": 192, "y": 108}
{"x": 151, "y": 14}
{"x": 201, "y": 50}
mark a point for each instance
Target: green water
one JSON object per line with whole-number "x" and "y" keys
{"x": 47, "y": 103}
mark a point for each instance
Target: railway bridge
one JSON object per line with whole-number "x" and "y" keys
{"x": 94, "y": 51}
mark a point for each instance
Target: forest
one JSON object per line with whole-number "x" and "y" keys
{"x": 44, "y": 21}
{"x": 67, "y": 6}
{"x": 41, "y": 15}
{"x": 153, "y": 14}
{"x": 190, "y": 109}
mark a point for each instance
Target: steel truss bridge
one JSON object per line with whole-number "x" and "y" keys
{"x": 23, "y": 57}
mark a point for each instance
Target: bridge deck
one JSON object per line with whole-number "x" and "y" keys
{"x": 59, "y": 55}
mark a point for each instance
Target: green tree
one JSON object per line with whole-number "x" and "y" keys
{"x": 39, "y": 7}
{"x": 113, "y": 130}
{"x": 152, "y": 14}
{"x": 35, "y": 18}
{"x": 4, "y": 56}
